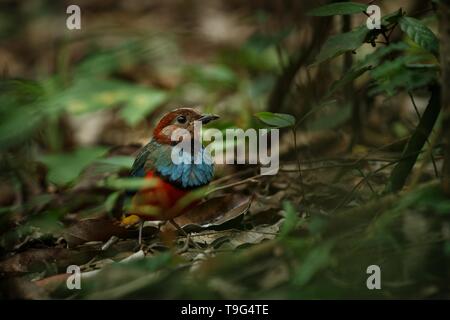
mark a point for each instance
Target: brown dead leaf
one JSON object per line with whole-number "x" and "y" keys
{"x": 233, "y": 239}
{"x": 21, "y": 288}
{"x": 35, "y": 260}
{"x": 51, "y": 283}
{"x": 215, "y": 212}
{"x": 265, "y": 203}
{"x": 95, "y": 230}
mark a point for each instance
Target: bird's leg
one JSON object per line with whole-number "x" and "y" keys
{"x": 141, "y": 226}
{"x": 184, "y": 233}
{"x": 185, "y": 246}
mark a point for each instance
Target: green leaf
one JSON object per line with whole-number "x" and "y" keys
{"x": 111, "y": 201}
{"x": 316, "y": 260}
{"x": 338, "y": 8}
{"x": 278, "y": 120}
{"x": 91, "y": 94}
{"x": 376, "y": 57}
{"x": 21, "y": 111}
{"x": 331, "y": 119}
{"x": 392, "y": 18}
{"x": 64, "y": 168}
{"x": 212, "y": 75}
{"x": 141, "y": 104}
{"x": 420, "y": 34}
{"x": 262, "y": 41}
{"x": 430, "y": 198}
{"x": 131, "y": 183}
{"x": 291, "y": 219}
{"x": 341, "y": 43}
{"x": 347, "y": 78}
{"x": 125, "y": 162}
{"x": 393, "y": 75}
{"x": 252, "y": 58}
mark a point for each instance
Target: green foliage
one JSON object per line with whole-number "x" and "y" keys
{"x": 401, "y": 73}
{"x": 261, "y": 41}
{"x": 348, "y": 77}
{"x": 291, "y": 220}
{"x": 134, "y": 50}
{"x": 277, "y": 120}
{"x": 341, "y": 43}
{"x": 87, "y": 95}
{"x": 250, "y": 57}
{"x": 429, "y": 199}
{"x": 314, "y": 261}
{"x": 406, "y": 72}
{"x": 340, "y": 8}
{"x": 329, "y": 119}
{"x": 127, "y": 183}
{"x": 121, "y": 162}
{"x": 420, "y": 34}
{"x": 142, "y": 103}
{"x": 21, "y": 111}
{"x": 66, "y": 167}
{"x": 392, "y": 18}
{"x": 212, "y": 76}
{"x": 376, "y": 57}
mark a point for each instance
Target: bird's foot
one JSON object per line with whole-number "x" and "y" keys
{"x": 139, "y": 247}
{"x": 188, "y": 235}
{"x": 187, "y": 243}
{"x": 185, "y": 247}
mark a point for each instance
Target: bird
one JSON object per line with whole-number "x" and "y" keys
{"x": 170, "y": 193}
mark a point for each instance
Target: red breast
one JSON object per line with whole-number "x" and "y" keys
{"x": 160, "y": 202}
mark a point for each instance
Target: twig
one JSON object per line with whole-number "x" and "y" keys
{"x": 415, "y": 144}
{"x": 233, "y": 175}
{"x": 345, "y": 200}
{"x": 234, "y": 184}
{"x": 434, "y": 139}
{"x": 300, "y": 175}
{"x": 428, "y": 142}
{"x": 367, "y": 180}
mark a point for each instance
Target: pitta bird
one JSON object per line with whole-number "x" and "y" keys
{"x": 172, "y": 181}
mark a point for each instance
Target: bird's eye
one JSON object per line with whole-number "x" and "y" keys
{"x": 181, "y": 119}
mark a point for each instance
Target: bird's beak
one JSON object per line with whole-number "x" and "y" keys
{"x": 206, "y": 118}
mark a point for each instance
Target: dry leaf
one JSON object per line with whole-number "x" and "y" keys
{"x": 21, "y": 288}
{"x": 236, "y": 238}
{"x": 215, "y": 212}
{"x": 34, "y": 260}
{"x": 95, "y": 230}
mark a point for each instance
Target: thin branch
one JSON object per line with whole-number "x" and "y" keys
{"x": 428, "y": 141}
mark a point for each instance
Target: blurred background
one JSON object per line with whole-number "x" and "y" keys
{"x": 76, "y": 105}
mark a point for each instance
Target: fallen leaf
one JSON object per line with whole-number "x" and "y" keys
{"x": 51, "y": 283}
{"x": 235, "y": 238}
{"x": 35, "y": 260}
{"x": 264, "y": 203}
{"x": 95, "y": 230}
{"x": 21, "y": 288}
{"x": 215, "y": 212}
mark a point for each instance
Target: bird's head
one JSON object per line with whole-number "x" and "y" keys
{"x": 182, "y": 118}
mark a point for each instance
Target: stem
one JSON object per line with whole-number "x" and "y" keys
{"x": 428, "y": 141}
{"x": 444, "y": 31}
{"x": 300, "y": 175}
{"x": 415, "y": 144}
